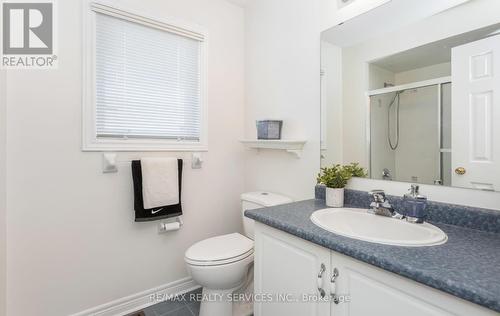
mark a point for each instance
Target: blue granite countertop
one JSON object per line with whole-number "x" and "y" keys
{"x": 467, "y": 266}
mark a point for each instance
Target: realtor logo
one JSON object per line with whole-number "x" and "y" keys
{"x": 28, "y": 35}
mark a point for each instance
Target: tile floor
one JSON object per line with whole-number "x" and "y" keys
{"x": 184, "y": 306}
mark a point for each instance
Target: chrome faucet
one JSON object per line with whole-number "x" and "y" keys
{"x": 381, "y": 206}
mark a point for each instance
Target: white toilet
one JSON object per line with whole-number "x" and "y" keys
{"x": 221, "y": 264}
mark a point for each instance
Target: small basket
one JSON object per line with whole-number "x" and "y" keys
{"x": 269, "y": 129}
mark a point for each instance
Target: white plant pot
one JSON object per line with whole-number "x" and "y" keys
{"x": 334, "y": 197}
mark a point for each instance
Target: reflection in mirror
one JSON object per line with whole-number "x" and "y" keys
{"x": 419, "y": 104}
{"x": 400, "y": 121}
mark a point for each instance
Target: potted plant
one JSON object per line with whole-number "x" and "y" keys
{"x": 335, "y": 179}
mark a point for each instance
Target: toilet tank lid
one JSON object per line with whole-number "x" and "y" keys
{"x": 265, "y": 198}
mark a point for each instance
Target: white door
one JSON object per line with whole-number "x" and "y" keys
{"x": 476, "y": 114}
{"x": 286, "y": 275}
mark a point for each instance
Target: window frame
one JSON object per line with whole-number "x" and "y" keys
{"x": 90, "y": 141}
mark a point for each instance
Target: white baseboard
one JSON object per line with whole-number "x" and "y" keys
{"x": 136, "y": 302}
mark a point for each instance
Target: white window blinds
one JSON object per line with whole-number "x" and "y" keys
{"x": 148, "y": 81}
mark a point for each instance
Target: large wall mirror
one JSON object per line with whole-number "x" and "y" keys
{"x": 419, "y": 103}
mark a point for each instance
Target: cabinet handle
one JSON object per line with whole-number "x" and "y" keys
{"x": 320, "y": 280}
{"x": 333, "y": 286}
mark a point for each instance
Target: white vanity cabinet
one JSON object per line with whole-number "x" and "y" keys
{"x": 287, "y": 267}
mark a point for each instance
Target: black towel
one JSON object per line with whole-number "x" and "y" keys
{"x": 143, "y": 215}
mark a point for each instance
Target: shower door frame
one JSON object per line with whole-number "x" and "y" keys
{"x": 438, "y": 82}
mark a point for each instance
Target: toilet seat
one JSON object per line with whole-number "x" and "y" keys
{"x": 220, "y": 250}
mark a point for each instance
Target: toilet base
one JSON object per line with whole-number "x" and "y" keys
{"x": 217, "y": 302}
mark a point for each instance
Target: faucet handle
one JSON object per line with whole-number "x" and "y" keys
{"x": 415, "y": 189}
{"x": 378, "y": 195}
{"x": 414, "y": 192}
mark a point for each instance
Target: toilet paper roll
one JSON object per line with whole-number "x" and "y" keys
{"x": 167, "y": 227}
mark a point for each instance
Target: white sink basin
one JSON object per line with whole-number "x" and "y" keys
{"x": 359, "y": 224}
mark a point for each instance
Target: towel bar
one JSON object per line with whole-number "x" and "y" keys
{"x": 110, "y": 162}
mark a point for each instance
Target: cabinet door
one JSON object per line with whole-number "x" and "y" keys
{"x": 366, "y": 290}
{"x": 286, "y": 275}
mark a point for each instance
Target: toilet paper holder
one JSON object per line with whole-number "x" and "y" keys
{"x": 169, "y": 225}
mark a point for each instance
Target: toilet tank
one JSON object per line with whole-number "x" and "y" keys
{"x": 253, "y": 200}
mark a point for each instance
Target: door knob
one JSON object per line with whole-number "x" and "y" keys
{"x": 460, "y": 171}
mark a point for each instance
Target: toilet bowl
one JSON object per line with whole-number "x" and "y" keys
{"x": 221, "y": 264}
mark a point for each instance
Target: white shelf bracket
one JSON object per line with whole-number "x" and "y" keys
{"x": 297, "y": 153}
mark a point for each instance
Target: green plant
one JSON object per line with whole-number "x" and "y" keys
{"x": 356, "y": 170}
{"x": 337, "y": 176}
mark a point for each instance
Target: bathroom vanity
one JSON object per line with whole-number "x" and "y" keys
{"x": 301, "y": 269}
{"x": 417, "y": 103}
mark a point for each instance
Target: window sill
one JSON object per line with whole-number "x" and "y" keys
{"x": 126, "y": 146}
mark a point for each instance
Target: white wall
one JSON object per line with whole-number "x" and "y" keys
{"x": 73, "y": 243}
{"x": 378, "y": 76}
{"x": 424, "y": 73}
{"x": 331, "y": 105}
{"x": 283, "y": 82}
{"x": 3, "y": 211}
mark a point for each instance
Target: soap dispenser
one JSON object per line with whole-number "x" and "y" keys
{"x": 414, "y": 205}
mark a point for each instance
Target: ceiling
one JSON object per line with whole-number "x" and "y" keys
{"x": 240, "y": 3}
{"x": 384, "y": 19}
{"x": 432, "y": 53}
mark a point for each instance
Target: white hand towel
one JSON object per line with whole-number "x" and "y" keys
{"x": 160, "y": 182}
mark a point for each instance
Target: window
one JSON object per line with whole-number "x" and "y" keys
{"x": 144, "y": 83}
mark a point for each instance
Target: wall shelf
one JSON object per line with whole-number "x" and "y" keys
{"x": 292, "y": 146}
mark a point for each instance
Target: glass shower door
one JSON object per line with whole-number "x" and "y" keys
{"x": 405, "y": 135}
